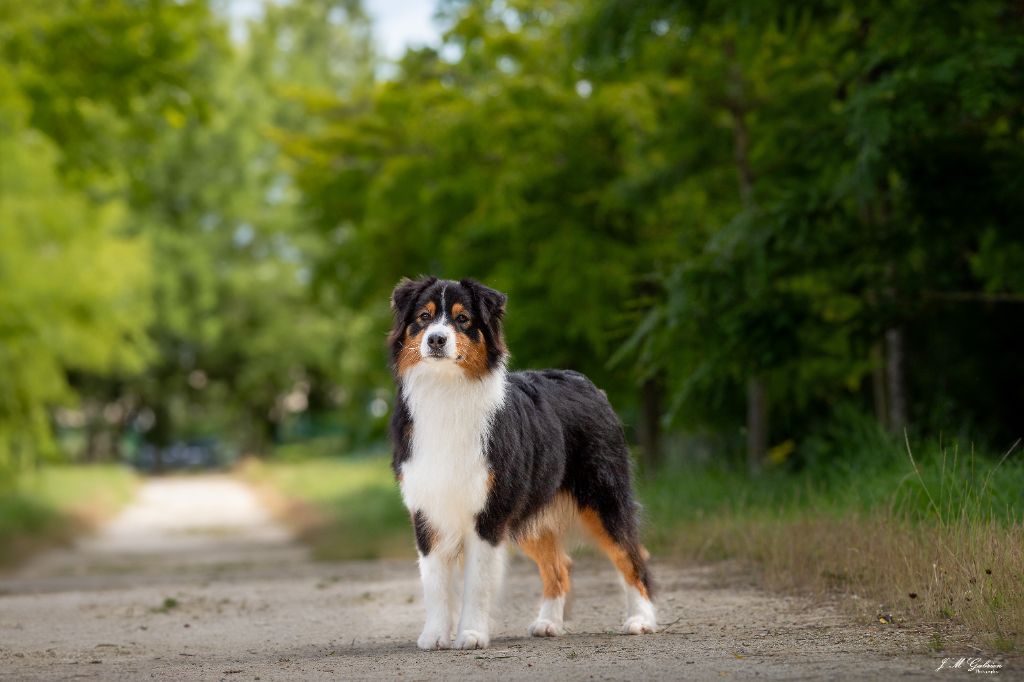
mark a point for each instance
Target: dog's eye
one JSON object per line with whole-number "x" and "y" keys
{"x": 425, "y": 316}
{"x": 462, "y": 319}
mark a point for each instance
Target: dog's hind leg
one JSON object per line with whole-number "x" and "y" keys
{"x": 553, "y": 563}
{"x": 614, "y": 529}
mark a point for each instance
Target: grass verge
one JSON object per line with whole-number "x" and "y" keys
{"x": 345, "y": 508}
{"x": 935, "y": 542}
{"x": 54, "y": 504}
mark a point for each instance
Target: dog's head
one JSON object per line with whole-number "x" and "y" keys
{"x": 447, "y": 326}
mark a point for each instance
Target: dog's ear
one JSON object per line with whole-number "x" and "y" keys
{"x": 402, "y": 299}
{"x": 405, "y": 294}
{"x": 492, "y": 301}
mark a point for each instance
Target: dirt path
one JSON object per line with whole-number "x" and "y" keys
{"x": 196, "y": 581}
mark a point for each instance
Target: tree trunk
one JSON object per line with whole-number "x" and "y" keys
{"x": 649, "y": 426}
{"x": 160, "y": 435}
{"x": 878, "y": 385}
{"x": 757, "y": 399}
{"x": 92, "y": 444}
{"x": 116, "y": 434}
{"x": 262, "y": 434}
{"x": 741, "y": 153}
{"x": 757, "y": 424}
{"x": 93, "y": 432}
{"x": 894, "y": 378}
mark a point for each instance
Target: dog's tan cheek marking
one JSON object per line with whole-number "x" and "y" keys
{"x": 490, "y": 481}
{"x": 618, "y": 555}
{"x": 472, "y": 356}
{"x": 410, "y": 353}
{"x": 552, "y": 562}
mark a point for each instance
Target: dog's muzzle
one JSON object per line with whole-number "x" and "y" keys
{"x": 436, "y": 343}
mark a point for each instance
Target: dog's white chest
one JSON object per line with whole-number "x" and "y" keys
{"x": 446, "y": 475}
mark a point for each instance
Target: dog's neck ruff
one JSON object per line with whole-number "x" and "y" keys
{"x": 435, "y": 388}
{"x": 446, "y": 475}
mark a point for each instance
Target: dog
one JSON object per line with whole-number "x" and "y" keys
{"x": 486, "y": 458}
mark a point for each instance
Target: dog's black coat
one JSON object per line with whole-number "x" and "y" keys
{"x": 556, "y": 431}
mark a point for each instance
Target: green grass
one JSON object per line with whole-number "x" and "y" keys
{"x": 346, "y": 508}
{"x": 933, "y": 536}
{"x": 53, "y": 504}
{"x": 941, "y": 487}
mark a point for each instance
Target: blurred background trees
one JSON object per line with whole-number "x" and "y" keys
{"x": 745, "y": 221}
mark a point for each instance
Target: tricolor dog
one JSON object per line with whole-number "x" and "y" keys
{"x": 486, "y": 457}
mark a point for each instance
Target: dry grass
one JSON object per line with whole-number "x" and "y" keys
{"x": 935, "y": 542}
{"x": 962, "y": 581}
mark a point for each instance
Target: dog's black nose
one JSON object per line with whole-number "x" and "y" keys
{"x": 437, "y": 340}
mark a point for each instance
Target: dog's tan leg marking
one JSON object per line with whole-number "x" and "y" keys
{"x": 552, "y": 562}
{"x": 545, "y": 548}
{"x": 615, "y": 552}
{"x": 640, "y": 615}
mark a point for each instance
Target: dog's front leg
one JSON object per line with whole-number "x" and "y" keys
{"x": 436, "y": 575}
{"x": 485, "y": 567}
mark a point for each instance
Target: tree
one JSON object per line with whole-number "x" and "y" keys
{"x": 151, "y": 110}
{"x": 830, "y": 106}
{"x": 503, "y": 166}
{"x": 70, "y": 284}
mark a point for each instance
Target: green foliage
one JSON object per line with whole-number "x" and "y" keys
{"x": 687, "y": 195}
{"x": 104, "y": 78}
{"x": 496, "y": 168}
{"x": 70, "y": 285}
{"x": 865, "y": 180}
{"x": 139, "y": 164}
{"x": 682, "y": 199}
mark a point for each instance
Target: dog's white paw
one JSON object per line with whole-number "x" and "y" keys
{"x": 434, "y": 639}
{"x": 542, "y": 627}
{"x": 472, "y": 639}
{"x": 639, "y": 625}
